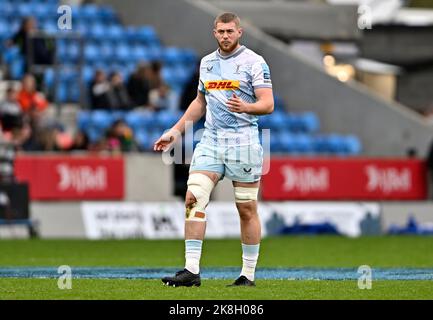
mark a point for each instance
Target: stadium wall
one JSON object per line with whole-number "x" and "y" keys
{"x": 345, "y": 108}
{"x": 65, "y": 219}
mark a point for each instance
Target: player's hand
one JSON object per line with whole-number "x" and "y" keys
{"x": 236, "y": 104}
{"x": 166, "y": 141}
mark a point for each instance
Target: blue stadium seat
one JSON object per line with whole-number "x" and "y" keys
{"x": 62, "y": 92}
{"x": 279, "y": 104}
{"x": 310, "y": 122}
{"x": 172, "y": 56}
{"x": 97, "y": 31}
{"x": 87, "y": 74}
{"x": 4, "y": 30}
{"x": 142, "y": 138}
{"x": 83, "y": 120}
{"x": 153, "y": 136}
{"x": 89, "y": 12}
{"x": 166, "y": 119}
{"x": 140, "y": 53}
{"x": 114, "y": 33}
{"x": 319, "y": 144}
{"x": 182, "y": 74}
{"x": 43, "y": 11}
{"x": 50, "y": 27}
{"x": 264, "y": 121}
{"x": 137, "y": 120}
{"x": 49, "y": 77}
{"x": 335, "y": 144}
{"x": 107, "y": 14}
{"x": 16, "y": 67}
{"x": 353, "y": 145}
{"x": 155, "y": 52}
{"x": 23, "y": 10}
{"x": 188, "y": 56}
{"x": 101, "y": 119}
{"x": 284, "y": 142}
{"x": 72, "y": 52}
{"x": 118, "y": 115}
{"x": 278, "y": 121}
{"x": 147, "y": 35}
{"x": 91, "y": 53}
{"x": 122, "y": 53}
{"x": 94, "y": 134}
{"x": 7, "y": 10}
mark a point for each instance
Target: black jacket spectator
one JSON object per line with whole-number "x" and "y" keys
{"x": 138, "y": 86}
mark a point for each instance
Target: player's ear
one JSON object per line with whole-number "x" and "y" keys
{"x": 240, "y": 30}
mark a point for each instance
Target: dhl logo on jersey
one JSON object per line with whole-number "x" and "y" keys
{"x": 222, "y": 85}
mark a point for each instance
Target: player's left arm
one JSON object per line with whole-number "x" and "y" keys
{"x": 263, "y": 105}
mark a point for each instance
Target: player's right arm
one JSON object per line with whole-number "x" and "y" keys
{"x": 195, "y": 111}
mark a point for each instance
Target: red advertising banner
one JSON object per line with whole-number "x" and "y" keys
{"x": 345, "y": 179}
{"x": 72, "y": 178}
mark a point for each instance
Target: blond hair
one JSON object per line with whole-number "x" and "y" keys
{"x": 227, "y": 17}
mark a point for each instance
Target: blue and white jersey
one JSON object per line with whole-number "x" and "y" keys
{"x": 220, "y": 76}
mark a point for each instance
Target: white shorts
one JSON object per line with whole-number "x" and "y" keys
{"x": 238, "y": 163}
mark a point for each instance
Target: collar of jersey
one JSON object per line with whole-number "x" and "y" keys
{"x": 231, "y": 55}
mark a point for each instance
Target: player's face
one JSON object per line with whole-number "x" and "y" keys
{"x": 227, "y": 35}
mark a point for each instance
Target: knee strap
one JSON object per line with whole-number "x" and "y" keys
{"x": 243, "y": 194}
{"x": 201, "y": 186}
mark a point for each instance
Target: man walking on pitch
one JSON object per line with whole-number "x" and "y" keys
{"x": 234, "y": 89}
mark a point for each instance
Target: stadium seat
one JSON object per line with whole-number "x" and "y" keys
{"x": 278, "y": 121}
{"x": 23, "y": 10}
{"x": 335, "y": 144}
{"x": 49, "y": 77}
{"x": 97, "y": 31}
{"x": 4, "y": 29}
{"x": 147, "y": 35}
{"x": 94, "y": 134}
{"x": 140, "y": 53}
{"x": 114, "y": 33}
{"x": 89, "y": 12}
{"x": 166, "y": 119}
{"x": 310, "y": 122}
{"x": 101, "y": 119}
{"x": 7, "y": 10}
{"x": 62, "y": 92}
{"x": 91, "y": 53}
{"x": 142, "y": 138}
{"x": 137, "y": 120}
{"x": 352, "y": 145}
{"x": 172, "y": 56}
{"x": 42, "y": 10}
{"x": 118, "y": 115}
{"x": 107, "y": 14}
{"x": 122, "y": 53}
{"x": 279, "y": 104}
{"x": 83, "y": 120}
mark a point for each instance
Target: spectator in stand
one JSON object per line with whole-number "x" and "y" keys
{"x": 119, "y": 137}
{"x": 155, "y": 77}
{"x": 118, "y": 94}
{"x": 189, "y": 93}
{"x": 11, "y": 115}
{"x": 139, "y": 85}
{"x": 163, "y": 98}
{"x": 43, "y": 47}
{"x": 99, "y": 91}
{"x": 80, "y": 142}
{"x": 29, "y": 98}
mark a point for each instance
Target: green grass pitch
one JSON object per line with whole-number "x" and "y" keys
{"x": 316, "y": 251}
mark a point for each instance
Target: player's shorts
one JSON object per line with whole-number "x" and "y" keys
{"x": 238, "y": 163}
